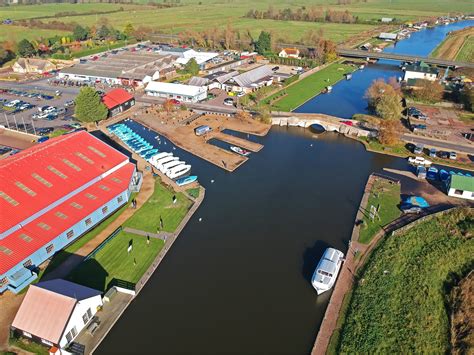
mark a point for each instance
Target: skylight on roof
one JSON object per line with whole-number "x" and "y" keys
{"x": 76, "y": 205}
{"x": 25, "y": 237}
{"x": 60, "y": 215}
{"x": 42, "y": 180}
{"x": 57, "y": 172}
{"x": 91, "y": 196}
{"x": 103, "y": 187}
{"x": 7, "y": 198}
{"x": 5, "y": 250}
{"x": 24, "y": 188}
{"x": 44, "y": 226}
{"x": 117, "y": 180}
{"x": 85, "y": 158}
{"x": 96, "y": 151}
{"x": 71, "y": 165}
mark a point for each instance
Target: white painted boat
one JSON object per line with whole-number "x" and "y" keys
{"x": 178, "y": 171}
{"x": 159, "y": 163}
{"x": 167, "y": 166}
{"x": 419, "y": 161}
{"x": 159, "y": 156}
{"x": 240, "y": 151}
{"x": 328, "y": 268}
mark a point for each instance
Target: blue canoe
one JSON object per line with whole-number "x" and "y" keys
{"x": 186, "y": 180}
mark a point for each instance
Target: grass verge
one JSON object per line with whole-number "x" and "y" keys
{"x": 399, "y": 302}
{"x": 29, "y": 346}
{"x": 305, "y": 89}
{"x": 386, "y": 195}
{"x": 194, "y": 192}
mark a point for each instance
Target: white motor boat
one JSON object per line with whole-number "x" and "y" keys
{"x": 178, "y": 171}
{"x": 419, "y": 161}
{"x": 167, "y": 166}
{"x": 159, "y": 156}
{"x": 327, "y": 270}
{"x": 159, "y": 164}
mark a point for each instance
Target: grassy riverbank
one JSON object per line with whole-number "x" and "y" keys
{"x": 458, "y": 45}
{"x": 305, "y": 89}
{"x": 386, "y": 196}
{"x": 398, "y": 304}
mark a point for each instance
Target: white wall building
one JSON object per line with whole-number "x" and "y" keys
{"x": 461, "y": 186}
{"x": 181, "y": 92}
{"x": 54, "y": 312}
{"x": 420, "y": 71}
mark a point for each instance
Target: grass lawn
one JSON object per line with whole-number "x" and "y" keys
{"x": 114, "y": 262}
{"x": 305, "y": 89}
{"x": 17, "y": 33}
{"x": 62, "y": 255}
{"x": 29, "y": 346}
{"x": 399, "y": 303}
{"x": 386, "y": 195}
{"x": 194, "y": 192}
{"x": 466, "y": 53}
{"x": 147, "y": 218}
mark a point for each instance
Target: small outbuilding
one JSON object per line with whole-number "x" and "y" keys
{"x": 387, "y": 36}
{"x": 461, "y": 186}
{"x": 181, "y": 92}
{"x": 118, "y": 101}
{"x": 54, "y": 312}
{"x": 202, "y": 130}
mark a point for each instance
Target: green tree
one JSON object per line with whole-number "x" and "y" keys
{"x": 389, "y": 107}
{"x": 129, "y": 30}
{"x": 89, "y": 106}
{"x": 467, "y": 97}
{"x": 264, "y": 43}
{"x": 103, "y": 32}
{"x": 80, "y": 33}
{"x": 25, "y": 48}
{"x": 426, "y": 90}
{"x": 192, "y": 67}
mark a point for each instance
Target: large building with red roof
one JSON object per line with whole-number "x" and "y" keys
{"x": 51, "y": 194}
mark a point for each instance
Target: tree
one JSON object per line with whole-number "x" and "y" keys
{"x": 168, "y": 106}
{"x": 389, "y": 132}
{"x": 80, "y": 33}
{"x": 467, "y": 97}
{"x": 264, "y": 43}
{"x": 103, "y": 32}
{"x": 25, "y": 48}
{"x": 243, "y": 115}
{"x": 89, "y": 106}
{"x": 389, "y": 107}
{"x": 129, "y": 30}
{"x": 192, "y": 67}
{"x": 425, "y": 90}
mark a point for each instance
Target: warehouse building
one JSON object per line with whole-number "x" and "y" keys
{"x": 51, "y": 194}
{"x": 250, "y": 80}
{"x": 180, "y": 92}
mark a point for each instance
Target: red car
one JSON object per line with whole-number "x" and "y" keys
{"x": 349, "y": 123}
{"x": 176, "y": 102}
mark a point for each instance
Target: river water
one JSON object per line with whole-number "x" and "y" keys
{"x": 239, "y": 280}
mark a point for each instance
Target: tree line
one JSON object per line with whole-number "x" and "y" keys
{"x": 312, "y": 14}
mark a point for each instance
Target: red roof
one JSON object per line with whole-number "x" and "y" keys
{"x": 41, "y": 175}
{"x": 116, "y": 97}
{"x": 62, "y": 217}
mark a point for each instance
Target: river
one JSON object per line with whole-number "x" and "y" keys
{"x": 238, "y": 281}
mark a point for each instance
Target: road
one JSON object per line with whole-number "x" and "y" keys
{"x": 435, "y": 143}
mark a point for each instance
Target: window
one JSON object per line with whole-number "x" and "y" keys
{"x": 71, "y": 165}
{"x": 68, "y": 337}
{"x": 70, "y": 234}
{"x": 5, "y": 250}
{"x": 97, "y": 151}
{"x": 49, "y": 248}
{"x": 83, "y": 157}
{"x": 85, "y": 318}
{"x": 76, "y": 205}
{"x": 458, "y": 192}
{"x": 42, "y": 180}
{"x": 44, "y": 226}
{"x": 91, "y": 196}
{"x": 89, "y": 313}
{"x": 60, "y": 215}
{"x": 24, "y": 188}
{"x": 3, "y": 282}
{"x": 57, "y": 172}
{"x": 103, "y": 187}
{"x": 117, "y": 180}
{"x": 27, "y": 263}
{"x": 8, "y": 199}
{"x": 88, "y": 221}
{"x": 105, "y": 209}
{"x": 25, "y": 237}
{"x": 74, "y": 331}
{"x": 26, "y": 334}
{"x": 119, "y": 199}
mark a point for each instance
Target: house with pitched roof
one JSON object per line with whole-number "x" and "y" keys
{"x": 33, "y": 66}
{"x": 289, "y": 53}
{"x": 54, "y": 312}
{"x": 118, "y": 101}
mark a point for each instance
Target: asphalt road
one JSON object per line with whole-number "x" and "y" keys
{"x": 434, "y": 143}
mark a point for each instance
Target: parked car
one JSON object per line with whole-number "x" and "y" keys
{"x": 176, "y": 102}
{"x": 433, "y": 152}
{"x": 418, "y": 149}
{"x": 444, "y": 155}
{"x": 229, "y": 101}
{"x": 408, "y": 209}
{"x": 69, "y": 103}
{"x": 45, "y": 131}
{"x": 241, "y": 94}
{"x": 453, "y": 155}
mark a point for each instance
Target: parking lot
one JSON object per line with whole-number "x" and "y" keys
{"x": 36, "y": 111}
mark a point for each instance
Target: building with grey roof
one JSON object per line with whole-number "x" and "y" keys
{"x": 250, "y": 80}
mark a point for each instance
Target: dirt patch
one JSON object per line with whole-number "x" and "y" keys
{"x": 462, "y": 316}
{"x": 452, "y": 45}
{"x": 9, "y": 305}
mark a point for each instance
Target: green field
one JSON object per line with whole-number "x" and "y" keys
{"x": 387, "y": 195}
{"x": 147, "y": 218}
{"x": 17, "y": 33}
{"x": 114, "y": 262}
{"x": 210, "y": 14}
{"x": 399, "y": 303}
{"x": 466, "y": 53}
{"x": 305, "y": 89}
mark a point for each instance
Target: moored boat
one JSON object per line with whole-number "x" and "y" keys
{"x": 178, "y": 171}
{"x": 186, "y": 180}
{"x": 240, "y": 151}
{"x": 167, "y": 166}
{"x": 327, "y": 270}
